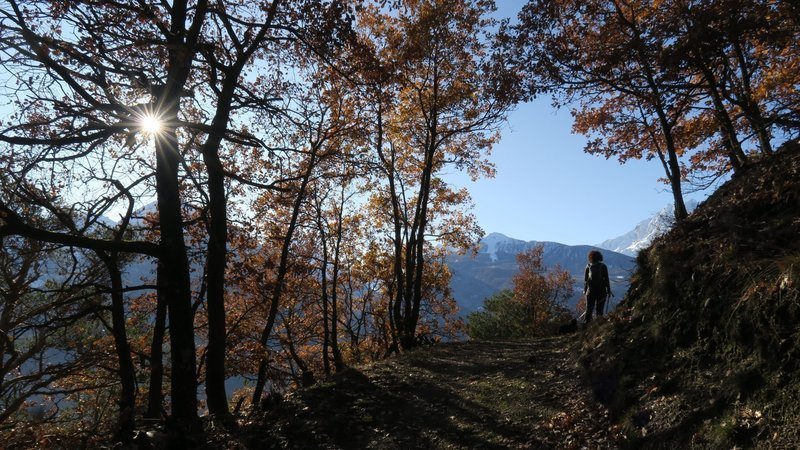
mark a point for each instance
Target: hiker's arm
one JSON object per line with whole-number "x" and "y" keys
{"x": 585, "y": 280}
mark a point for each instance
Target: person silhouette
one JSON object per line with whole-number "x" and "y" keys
{"x": 596, "y": 285}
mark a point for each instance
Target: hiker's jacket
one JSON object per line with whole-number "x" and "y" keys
{"x": 595, "y": 280}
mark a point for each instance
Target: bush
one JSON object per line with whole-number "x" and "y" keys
{"x": 505, "y": 317}
{"x": 502, "y": 317}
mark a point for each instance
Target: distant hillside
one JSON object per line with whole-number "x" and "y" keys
{"x": 704, "y": 352}
{"x": 475, "y": 279}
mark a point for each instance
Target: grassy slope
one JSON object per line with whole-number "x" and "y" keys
{"x": 705, "y": 351}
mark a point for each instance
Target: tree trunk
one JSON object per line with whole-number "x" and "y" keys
{"x": 326, "y": 337}
{"x": 736, "y": 155}
{"x": 671, "y": 164}
{"x": 337, "y": 354}
{"x": 218, "y": 228}
{"x": 679, "y": 209}
{"x": 216, "y": 264}
{"x": 396, "y": 300}
{"x": 677, "y": 190}
{"x": 155, "y": 396}
{"x": 750, "y": 107}
{"x": 175, "y": 281}
{"x": 174, "y": 275}
{"x": 283, "y": 267}
{"x": 127, "y": 372}
{"x": 416, "y": 251}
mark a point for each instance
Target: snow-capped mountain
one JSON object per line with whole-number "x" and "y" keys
{"x": 640, "y": 237}
{"x": 491, "y": 270}
{"x": 498, "y": 243}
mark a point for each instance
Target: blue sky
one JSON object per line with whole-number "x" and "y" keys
{"x": 548, "y": 189}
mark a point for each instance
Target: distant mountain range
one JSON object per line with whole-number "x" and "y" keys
{"x": 491, "y": 270}
{"x": 475, "y": 279}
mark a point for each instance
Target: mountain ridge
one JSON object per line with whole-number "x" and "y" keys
{"x": 646, "y": 231}
{"x": 492, "y": 268}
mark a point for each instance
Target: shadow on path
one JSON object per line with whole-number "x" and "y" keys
{"x": 509, "y": 394}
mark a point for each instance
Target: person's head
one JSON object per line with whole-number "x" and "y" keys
{"x": 595, "y": 256}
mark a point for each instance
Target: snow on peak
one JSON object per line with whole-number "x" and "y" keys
{"x": 645, "y": 231}
{"x": 493, "y": 242}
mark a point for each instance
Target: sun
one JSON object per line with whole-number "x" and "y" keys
{"x": 151, "y": 124}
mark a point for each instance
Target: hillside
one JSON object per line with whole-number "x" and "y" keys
{"x": 704, "y": 351}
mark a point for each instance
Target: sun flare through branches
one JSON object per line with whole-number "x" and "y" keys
{"x": 151, "y": 124}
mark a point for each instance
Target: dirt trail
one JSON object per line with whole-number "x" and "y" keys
{"x": 521, "y": 394}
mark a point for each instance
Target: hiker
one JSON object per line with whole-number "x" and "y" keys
{"x": 596, "y": 285}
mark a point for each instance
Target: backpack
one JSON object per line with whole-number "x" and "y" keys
{"x": 597, "y": 277}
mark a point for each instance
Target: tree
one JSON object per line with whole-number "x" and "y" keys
{"x": 501, "y": 317}
{"x": 537, "y": 302}
{"x": 48, "y": 333}
{"x": 681, "y": 81}
{"x": 319, "y": 125}
{"x": 79, "y": 49}
{"x": 70, "y": 286}
{"x": 605, "y": 53}
{"x": 443, "y": 112}
{"x": 543, "y": 291}
{"x": 91, "y": 74}
{"x": 735, "y": 47}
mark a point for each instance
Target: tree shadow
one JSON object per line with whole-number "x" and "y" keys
{"x": 426, "y": 399}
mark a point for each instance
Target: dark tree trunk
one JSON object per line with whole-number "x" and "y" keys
{"x": 416, "y": 261}
{"x": 736, "y": 155}
{"x": 216, "y": 264}
{"x": 397, "y": 291}
{"x": 127, "y": 372}
{"x": 174, "y": 275}
{"x": 670, "y": 162}
{"x": 654, "y": 96}
{"x": 175, "y": 281}
{"x": 337, "y": 354}
{"x": 155, "y": 396}
{"x": 306, "y": 374}
{"x": 218, "y": 229}
{"x": 326, "y": 337}
{"x": 749, "y": 106}
{"x": 675, "y": 181}
{"x": 415, "y": 253}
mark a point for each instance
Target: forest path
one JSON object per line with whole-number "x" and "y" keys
{"x": 498, "y": 394}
